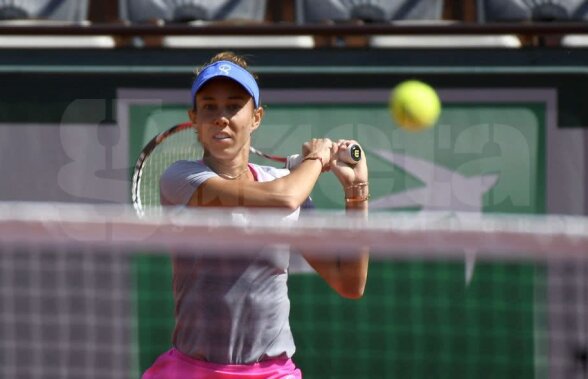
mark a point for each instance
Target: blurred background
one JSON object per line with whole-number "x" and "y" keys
{"x": 84, "y": 84}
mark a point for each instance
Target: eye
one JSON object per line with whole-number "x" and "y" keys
{"x": 208, "y": 107}
{"x": 234, "y": 107}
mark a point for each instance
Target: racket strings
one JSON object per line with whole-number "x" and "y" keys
{"x": 176, "y": 147}
{"x": 177, "y": 143}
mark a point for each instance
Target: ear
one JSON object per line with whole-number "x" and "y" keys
{"x": 257, "y": 117}
{"x": 192, "y": 115}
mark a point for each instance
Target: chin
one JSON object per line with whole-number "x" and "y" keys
{"x": 223, "y": 154}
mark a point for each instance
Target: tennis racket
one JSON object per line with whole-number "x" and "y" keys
{"x": 180, "y": 143}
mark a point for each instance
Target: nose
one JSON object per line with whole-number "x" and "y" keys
{"x": 221, "y": 120}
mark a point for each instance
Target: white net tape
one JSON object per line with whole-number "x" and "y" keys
{"x": 502, "y": 236}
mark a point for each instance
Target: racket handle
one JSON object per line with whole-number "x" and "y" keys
{"x": 350, "y": 156}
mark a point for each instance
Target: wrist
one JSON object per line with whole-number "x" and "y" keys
{"x": 357, "y": 192}
{"x": 357, "y": 206}
{"x": 313, "y": 157}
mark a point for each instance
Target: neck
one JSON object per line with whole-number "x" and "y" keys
{"x": 233, "y": 177}
{"x": 227, "y": 170}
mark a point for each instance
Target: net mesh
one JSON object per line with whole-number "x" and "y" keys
{"x": 87, "y": 291}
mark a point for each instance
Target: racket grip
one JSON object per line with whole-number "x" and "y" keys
{"x": 351, "y": 156}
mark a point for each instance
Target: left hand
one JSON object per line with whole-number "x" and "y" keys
{"x": 348, "y": 174}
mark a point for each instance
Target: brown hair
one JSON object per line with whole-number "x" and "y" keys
{"x": 227, "y": 56}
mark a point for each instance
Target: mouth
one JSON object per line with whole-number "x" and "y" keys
{"x": 221, "y": 136}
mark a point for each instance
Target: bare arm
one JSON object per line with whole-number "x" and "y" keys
{"x": 347, "y": 276}
{"x": 287, "y": 192}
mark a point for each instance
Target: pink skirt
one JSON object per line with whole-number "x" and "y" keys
{"x": 176, "y": 365}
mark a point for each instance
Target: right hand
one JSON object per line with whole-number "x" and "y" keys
{"x": 348, "y": 174}
{"x": 319, "y": 147}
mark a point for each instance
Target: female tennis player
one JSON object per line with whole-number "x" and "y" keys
{"x": 232, "y": 313}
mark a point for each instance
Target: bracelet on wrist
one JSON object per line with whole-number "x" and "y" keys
{"x": 349, "y": 200}
{"x": 357, "y": 185}
{"x": 357, "y": 192}
{"x": 313, "y": 158}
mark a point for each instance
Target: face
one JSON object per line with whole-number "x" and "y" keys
{"x": 225, "y": 117}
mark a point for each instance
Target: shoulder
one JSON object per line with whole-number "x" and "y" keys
{"x": 186, "y": 165}
{"x": 179, "y": 181}
{"x": 184, "y": 169}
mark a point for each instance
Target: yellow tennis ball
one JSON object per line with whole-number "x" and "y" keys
{"x": 414, "y": 105}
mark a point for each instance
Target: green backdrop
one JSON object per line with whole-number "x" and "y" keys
{"x": 417, "y": 319}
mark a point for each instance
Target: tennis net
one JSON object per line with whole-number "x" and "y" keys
{"x": 86, "y": 290}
